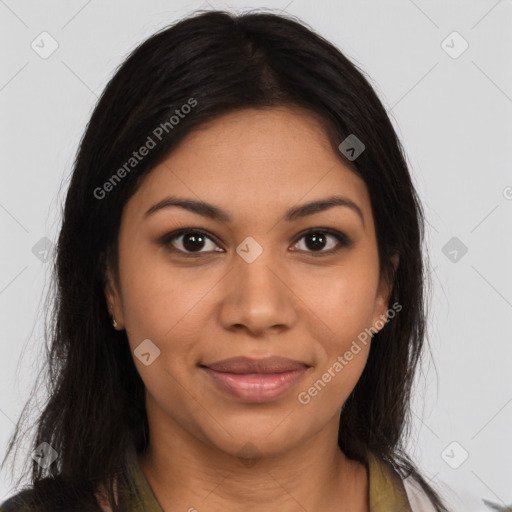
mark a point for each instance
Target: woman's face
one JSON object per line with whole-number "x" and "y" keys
{"x": 268, "y": 277}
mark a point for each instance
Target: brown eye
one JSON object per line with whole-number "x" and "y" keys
{"x": 323, "y": 241}
{"x": 190, "y": 241}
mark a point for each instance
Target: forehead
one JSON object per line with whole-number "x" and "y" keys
{"x": 266, "y": 159}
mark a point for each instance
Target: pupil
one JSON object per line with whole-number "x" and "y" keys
{"x": 317, "y": 239}
{"x": 193, "y": 241}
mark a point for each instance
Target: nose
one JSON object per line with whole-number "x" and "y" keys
{"x": 258, "y": 297}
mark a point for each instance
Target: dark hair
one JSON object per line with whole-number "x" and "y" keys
{"x": 217, "y": 62}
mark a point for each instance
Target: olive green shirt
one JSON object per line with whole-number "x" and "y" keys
{"x": 386, "y": 489}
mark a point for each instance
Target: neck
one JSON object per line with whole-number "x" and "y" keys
{"x": 187, "y": 474}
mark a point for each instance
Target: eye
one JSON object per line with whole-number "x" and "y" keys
{"x": 191, "y": 241}
{"x": 318, "y": 239}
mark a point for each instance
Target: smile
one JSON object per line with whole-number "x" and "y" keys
{"x": 255, "y": 387}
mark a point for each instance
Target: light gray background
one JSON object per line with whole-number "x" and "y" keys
{"x": 454, "y": 116}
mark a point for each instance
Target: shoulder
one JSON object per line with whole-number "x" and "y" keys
{"x": 389, "y": 490}
{"x": 50, "y": 495}
{"x": 417, "y": 497}
{"x": 17, "y": 503}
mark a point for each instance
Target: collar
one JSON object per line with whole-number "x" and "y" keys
{"x": 387, "y": 491}
{"x": 386, "y": 488}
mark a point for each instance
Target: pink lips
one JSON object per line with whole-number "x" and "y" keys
{"x": 256, "y": 380}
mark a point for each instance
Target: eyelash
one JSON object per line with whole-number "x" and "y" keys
{"x": 342, "y": 239}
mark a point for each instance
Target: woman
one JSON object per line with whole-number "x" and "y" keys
{"x": 239, "y": 312}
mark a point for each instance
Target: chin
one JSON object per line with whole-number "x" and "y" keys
{"x": 253, "y": 441}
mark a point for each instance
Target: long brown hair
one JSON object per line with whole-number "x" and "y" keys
{"x": 224, "y": 62}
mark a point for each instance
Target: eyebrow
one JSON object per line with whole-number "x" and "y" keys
{"x": 216, "y": 213}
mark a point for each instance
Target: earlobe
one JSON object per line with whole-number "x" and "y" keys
{"x": 395, "y": 260}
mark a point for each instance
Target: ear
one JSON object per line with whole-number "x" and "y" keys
{"x": 380, "y": 313}
{"x": 113, "y": 298}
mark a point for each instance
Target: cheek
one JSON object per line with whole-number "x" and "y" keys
{"x": 331, "y": 385}
{"x": 160, "y": 300}
{"x": 169, "y": 310}
{"x": 340, "y": 303}
{"x": 342, "y": 355}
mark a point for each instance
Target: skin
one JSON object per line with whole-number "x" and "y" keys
{"x": 254, "y": 164}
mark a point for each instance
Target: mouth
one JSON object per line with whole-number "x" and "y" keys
{"x": 255, "y": 380}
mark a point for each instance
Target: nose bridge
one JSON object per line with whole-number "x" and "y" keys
{"x": 258, "y": 297}
{"x": 255, "y": 270}
{"x": 259, "y": 277}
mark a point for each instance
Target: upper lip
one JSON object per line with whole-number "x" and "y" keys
{"x": 242, "y": 365}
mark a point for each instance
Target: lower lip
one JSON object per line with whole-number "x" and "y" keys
{"x": 256, "y": 387}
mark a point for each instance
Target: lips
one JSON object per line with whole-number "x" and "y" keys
{"x": 241, "y": 365}
{"x": 255, "y": 380}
